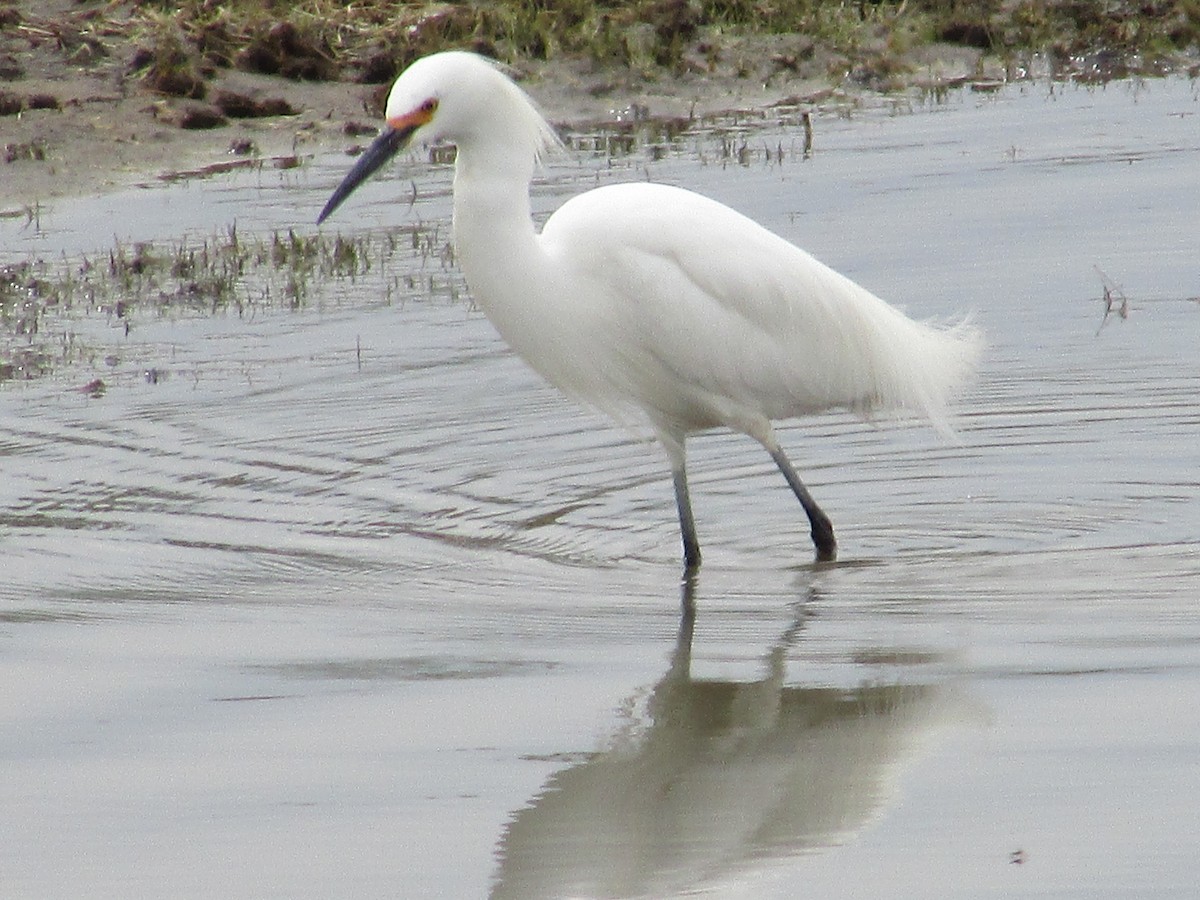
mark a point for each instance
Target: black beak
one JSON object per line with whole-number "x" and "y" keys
{"x": 382, "y": 149}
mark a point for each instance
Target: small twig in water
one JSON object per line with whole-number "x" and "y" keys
{"x": 1112, "y": 293}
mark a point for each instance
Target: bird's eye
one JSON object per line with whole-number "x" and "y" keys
{"x": 429, "y": 106}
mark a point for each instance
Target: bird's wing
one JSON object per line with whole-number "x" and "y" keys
{"x": 713, "y": 313}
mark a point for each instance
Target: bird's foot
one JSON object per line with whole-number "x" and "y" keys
{"x": 824, "y": 541}
{"x": 827, "y": 553}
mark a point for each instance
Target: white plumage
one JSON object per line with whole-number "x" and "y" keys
{"x": 652, "y": 302}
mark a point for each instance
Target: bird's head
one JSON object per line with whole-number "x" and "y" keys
{"x": 454, "y": 96}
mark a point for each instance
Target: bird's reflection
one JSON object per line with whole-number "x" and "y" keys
{"x": 714, "y": 779}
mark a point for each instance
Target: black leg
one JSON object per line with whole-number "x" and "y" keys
{"x": 687, "y": 606}
{"x": 822, "y": 528}
{"x": 687, "y": 524}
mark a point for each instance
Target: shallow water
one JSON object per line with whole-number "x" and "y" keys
{"x": 347, "y": 603}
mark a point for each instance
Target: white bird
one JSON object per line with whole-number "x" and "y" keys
{"x": 655, "y": 304}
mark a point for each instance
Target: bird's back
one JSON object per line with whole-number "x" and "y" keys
{"x": 710, "y": 319}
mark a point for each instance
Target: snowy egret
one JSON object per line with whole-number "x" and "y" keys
{"x": 653, "y": 303}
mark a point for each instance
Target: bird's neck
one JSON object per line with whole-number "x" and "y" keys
{"x": 491, "y": 211}
{"x": 494, "y": 237}
{"x": 501, "y": 255}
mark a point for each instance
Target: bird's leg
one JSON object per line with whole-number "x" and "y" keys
{"x": 822, "y": 528}
{"x": 688, "y": 604}
{"x": 687, "y": 524}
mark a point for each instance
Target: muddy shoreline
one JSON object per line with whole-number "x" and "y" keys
{"x": 104, "y": 135}
{"x": 81, "y": 119}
